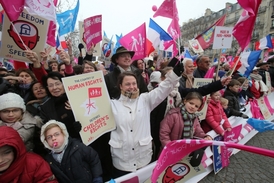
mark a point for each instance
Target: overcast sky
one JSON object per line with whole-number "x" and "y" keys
{"x": 122, "y": 16}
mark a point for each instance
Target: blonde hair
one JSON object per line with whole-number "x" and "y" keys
{"x": 50, "y": 126}
{"x": 223, "y": 101}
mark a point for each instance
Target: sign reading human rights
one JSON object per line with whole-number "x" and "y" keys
{"x": 31, "y": 29}
{"x": 90, "y": 103}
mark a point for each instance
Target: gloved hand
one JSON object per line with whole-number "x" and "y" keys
{"x": 178, "y": 67}
{"x": 77, "y": 126}
{"x": 80, "y": 46}
{"x": 244, "y": 116}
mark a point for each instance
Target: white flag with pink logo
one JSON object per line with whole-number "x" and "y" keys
{"x": 43, "y": 8}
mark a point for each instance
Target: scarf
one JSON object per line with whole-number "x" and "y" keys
{"x": 188, "y": 123}
{"x": 174, "y": 94}
{"x": 131, "y": 95}
{"x": 189, "y": 80}
{"x": 258, "y": 83}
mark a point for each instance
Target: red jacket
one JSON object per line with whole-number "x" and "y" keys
{"x": 26, "y": 167}
{"x": 214, "y": 116}
{"x": 172, "y": 127}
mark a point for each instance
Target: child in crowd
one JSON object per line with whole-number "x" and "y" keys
{"x": 70, "y": 160}
{"x": 13, "y": 113}
{"x": 232, "y": 95}
{"x": 231, "y": 112}
{"x": 19, "y": 166}
{"x": 216, "y": 118}
{"x": 182, "y": 122}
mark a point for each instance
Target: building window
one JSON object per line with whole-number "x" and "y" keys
{"x": 257, "y": 20}
{"x": 238, "y": 6}
{"x": 272, "y": 23}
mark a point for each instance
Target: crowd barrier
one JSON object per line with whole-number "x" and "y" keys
{"x": 247, "y": 132}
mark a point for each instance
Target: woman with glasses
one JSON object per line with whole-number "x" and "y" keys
{"x": 57, "y": 106}
{"x": 13, "y": 114}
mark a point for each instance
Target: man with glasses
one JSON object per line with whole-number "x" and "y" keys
{"x": 203, "y": 64}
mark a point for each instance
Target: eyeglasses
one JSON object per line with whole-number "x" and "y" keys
{"x": 57, "y": 84}
{"x": 49, "y": 137}
{"x": 6, "y": 111}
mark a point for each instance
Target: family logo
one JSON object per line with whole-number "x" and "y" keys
{"x": 175, "y": 173}
{"x": 28, "y": 34}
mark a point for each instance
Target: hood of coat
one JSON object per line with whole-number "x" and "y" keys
{"x": 10, "y": 137}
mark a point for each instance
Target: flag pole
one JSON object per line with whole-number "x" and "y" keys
{"x": 218, "y": 67}
{"x": 233, "y": 69}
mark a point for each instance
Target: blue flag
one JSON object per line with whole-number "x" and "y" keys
{"x": 261, "y": 125}
{"x": 117, "y": 45}
{"x": 67, "y": 20}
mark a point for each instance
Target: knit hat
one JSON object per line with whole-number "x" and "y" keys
{"x": 10, "y": 100}
{"x": 155, "y": 76}
{"x": 64, "y": 131}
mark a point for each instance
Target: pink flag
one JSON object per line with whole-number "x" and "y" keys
{"x": 168, "y": 44}
{"x": 44, "y": 8}
{"x": 13, "y": 8}
{"x": 136, "y": 41}
{"x": 243, "y": 29}
{"x": 93, "y": 30}
{"x": 167, "y": 9}
{"x": 210, "y": 73}
{"x": 51, "y": 34}
{"x": 174, "y": 29}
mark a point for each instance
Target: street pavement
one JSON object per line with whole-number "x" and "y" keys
{"x": 247, "y": 167}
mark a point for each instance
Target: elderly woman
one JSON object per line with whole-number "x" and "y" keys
{"x": 57, "y": 106}
{"x": 187, "y": 78}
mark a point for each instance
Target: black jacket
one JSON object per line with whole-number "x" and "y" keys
{"x": 199, "y": 73}
{"x": 271, "y": 73}
{"x": 232, "y": 97}
{"x": 80, "y": 164}
{"x": 112, "y": 79}
{"x": 54, "y": 108}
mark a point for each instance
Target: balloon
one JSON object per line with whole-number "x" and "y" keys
{"x": 154, "y": 8}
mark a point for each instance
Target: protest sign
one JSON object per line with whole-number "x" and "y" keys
{"x": 195, "y": 45}
{"x": 222, "y": 37}
{"x": 198, "y": 82}
{"x": 97, "y": 48}
{"x": 264, "y": 109}
{"x": 33, "y": 32}
{"x": 93, "y": 30}
{"x": 90, "y": 103}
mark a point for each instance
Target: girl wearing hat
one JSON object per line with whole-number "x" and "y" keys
{"x": 17, "y": 165}
{"x": 13, "y": 114}
{"x": 70, "y": 160}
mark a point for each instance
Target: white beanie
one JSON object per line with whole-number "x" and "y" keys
{"x": 155, "y": 76}
{"x": 11, "y": 100}
{"x": 64, "y": 131}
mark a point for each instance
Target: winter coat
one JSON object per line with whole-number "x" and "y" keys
{"x": 111, "y": 80}
{"x": 271, "y": 73}
{"x": 26, "y": 167}
{"x": 172, "y": 126}
{"x": 26, "y": 128}
{"x": 214, "y": 116}
{"x": 131, "y": 141}
{"x": 199, "y": 73}
{"x": 79, "y": 164}
{"x": 232, "y": 97}
{"x": 54, "y": 108}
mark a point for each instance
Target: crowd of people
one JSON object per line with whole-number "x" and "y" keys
{"x": 152, "y": 104}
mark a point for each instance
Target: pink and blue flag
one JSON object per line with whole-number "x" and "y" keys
{"x": 248, "y": 61}
{"x": 265, "y": 43}
{"x": 155, "y": 35}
